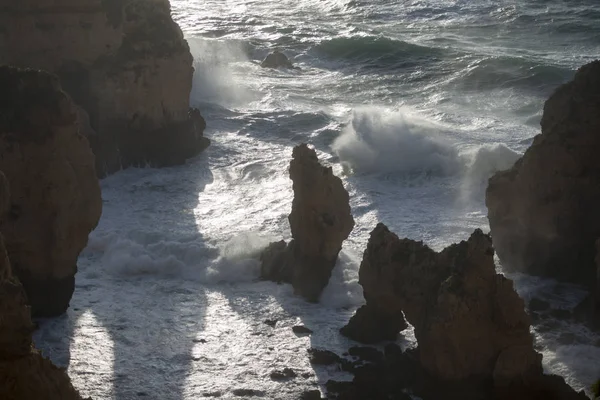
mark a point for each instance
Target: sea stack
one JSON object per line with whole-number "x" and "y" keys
{"x": 470, "y": 324}
{"x": 125, "y": 62}
{"x": 320, "y": 221}
{"x": 543, "y": 212}
{"x": 55, "y": 199}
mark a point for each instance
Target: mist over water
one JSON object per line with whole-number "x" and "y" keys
{"x": 415, "y": 104}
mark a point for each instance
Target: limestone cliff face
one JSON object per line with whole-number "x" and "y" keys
{"x": 320, "y": 221}
{"x": 470, "y": 324}
{"x": 55, "y": 198}
{"x": 543, "y": 212}
{"x": 24, "y": 373}
{"x": 124, "y": 61}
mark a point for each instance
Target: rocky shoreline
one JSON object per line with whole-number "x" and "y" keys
{"x": 119, "y": 97}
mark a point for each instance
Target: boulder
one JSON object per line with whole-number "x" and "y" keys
{"x": 320, "y": 221}
{"x": 125, "y": 62}
{"x": 543, "y": 211}
{"x": 470, "y": 324}
{"x": 277, "y": 59}
{"x": 24, "y": 373}
{"x": 55, "y": 199}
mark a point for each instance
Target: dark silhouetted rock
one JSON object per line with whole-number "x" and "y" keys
{"x": 320, "y": 221}
{"x": 301, "y": 330}
{"x": 286, "y": 373}
{"x": 271, "y": 322}
{"x": 24, "y": 372}
{"x": 323, "y": 357}
{"x": 313, "y": 394}
{"x": 55, "y": 199}
{"x": 543, "y": 211}
{"x": 276, "y": 59}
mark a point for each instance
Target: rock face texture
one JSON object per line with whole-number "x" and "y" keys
{"x": 24, "y": 373}
{"x": 320, "y": 221}
{"x": 55, "y": 197}
{"x": 543, "y": 212}
{"x": 125, "y": 62}
{"x": 469, "y": 322}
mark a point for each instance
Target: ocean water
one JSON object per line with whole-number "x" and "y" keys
{"x": 414, "y": 103}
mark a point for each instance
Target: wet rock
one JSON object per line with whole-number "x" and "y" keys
{"x": 538, "y": 305}
{"x": 543, "y": 211}
{"x": 212, "y": 394}
{"x": 248, "y": 392}
{"x": 313, "y": 394}
{"x": 372, "y": 324}
{"x": 286, "y": 373}
{"x": 301, "y": 330}
{"x": 320, "y": 221}
{"x": 277, "y": 59}
{"x": 271, "y": 322}
{"x": 55, "y": 197}
{"x": 366, "y": 353}
{"x": 126, "y": 63}
{"x": 323, "y": 357}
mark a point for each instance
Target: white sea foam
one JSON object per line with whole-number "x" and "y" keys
{"x": 377, "y": 140}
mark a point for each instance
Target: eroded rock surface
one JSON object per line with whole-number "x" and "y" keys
{"x": 55, "y": 197}
{"x": 24, "y": 373}
{"x": 320, "y": 221}
{"x": 125, "y": 62}
{"x": 543, "y": 211}
{"x": 470, "y": 324}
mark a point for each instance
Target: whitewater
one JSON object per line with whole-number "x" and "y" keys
{"x": 414, "y": 103}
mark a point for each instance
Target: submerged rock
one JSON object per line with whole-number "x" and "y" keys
{"x": 276, "y": 59}
{"x": 125, "y": 62}
{"x": 320, "y": 221}
{"x": 301, "y": 330}
{"x": 24, "y": 373}
{"x": 543, "y": 211}
{"x": 470, "y": 324}
{"x": 55, "y": 197}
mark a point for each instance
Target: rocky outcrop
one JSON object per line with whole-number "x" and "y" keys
{"x": 470, "y": 324}
{"x": 55, "y": 197}
{"x": 320, "y": 221}
{"x": 24, "y": 373}
{"x": 543, "y": 211}
{"x": 125, "y": 62}
{"x": 277, "y": 59}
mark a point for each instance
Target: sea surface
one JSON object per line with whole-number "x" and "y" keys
{"x": 414, "y": 103}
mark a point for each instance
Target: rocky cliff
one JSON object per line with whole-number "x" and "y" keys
{"x": 543, "y": 212}
{"x": 24, "y": 373}
{"x": 124, "y": 61}
{"x": 320, "y": 221}
{"x": 470, "y": 324}
{"x": 55, "y": 197}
